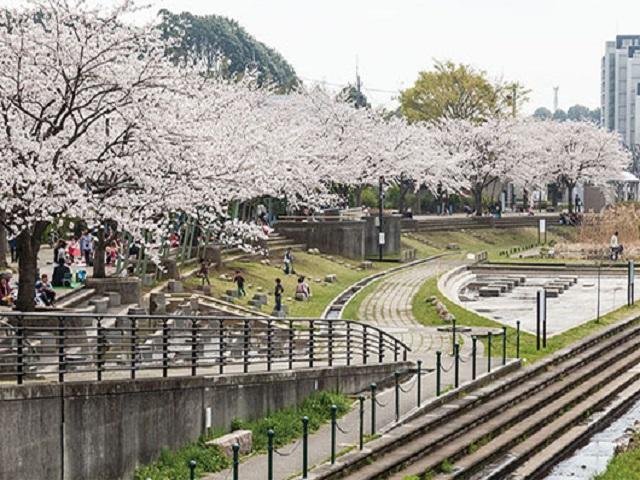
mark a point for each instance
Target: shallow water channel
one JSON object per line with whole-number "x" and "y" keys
{"x": 593, "y": 458}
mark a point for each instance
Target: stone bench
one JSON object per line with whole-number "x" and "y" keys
{"x": 551, "y": 292}
{"x": 489, "y": 292}
{"x": 101, "y": 304}
{"x": 115, "y": 299}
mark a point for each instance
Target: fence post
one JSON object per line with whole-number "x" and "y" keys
{"x": 419, "y": 381}
{"x": 194, "y": 347}
{"x": 380, "y": 347}
{"x": 221, "y": 347}
{"x": 245, "y": 347}
{"x": 518, "y": 339}
{"x": 361, "y": 400}
{"x": 291, "y": 336}
{"x": 456, "y": 352}
{"x": 504, "y": 345}
{"x": 453, "y": 337}
{"x": 348, "y": 343}
{"x": 270, "y": 434}
{"x": 20, "y": 352}
{"x": 474, "y": 354}
{"x": 489, "y": 352}
{"x": 396, "y": 348}
{"x": 438, "y": 373}
{"x": 334, "y": 412}
{"x": 311, "y": 343}
{"x": 305, "y": 447}
{"x": 61, "y": 359}
{"x": 269, "y": 342}
{"x": 165, "y": 347}
{"x": 396, "y": 375}
{"x": 373, "y": 408}
{"x": 330, "y": 344}
{"x": 134, "y": 347}
{"x": 100, "y": 351}
{"x": 236, "y": 461}
{"x": 192, "y": 470}
{"x": 365, "y": 346}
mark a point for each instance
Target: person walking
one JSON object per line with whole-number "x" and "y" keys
{"x": 279, "y": 290}
{"x": 238, "y": 279}
{"x": 616, "y": 248}
{"x": 288, "y": 262}
{"x": 203, "y": 272}
{"x": 86, "y": 247}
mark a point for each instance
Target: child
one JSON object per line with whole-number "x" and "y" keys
{"x": 204, "y": 272}
{"x": 278, "y": 294}
{"x": 239, "y": 280}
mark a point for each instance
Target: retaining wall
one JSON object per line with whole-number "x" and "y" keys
{"x": 90, "y": 430}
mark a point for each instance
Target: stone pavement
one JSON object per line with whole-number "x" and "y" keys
{"x": 388, "y": 306}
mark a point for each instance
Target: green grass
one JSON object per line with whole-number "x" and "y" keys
{"x": 426, "y": 314}
{"x": 625, "y": 465}
{"x": 286, "y": 423}
{"x": 351, "y": 310}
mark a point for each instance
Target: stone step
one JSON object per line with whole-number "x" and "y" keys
{"x": 490, "y": 291}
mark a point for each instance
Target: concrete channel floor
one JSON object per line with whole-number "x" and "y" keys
{"x": 388, "y": 306}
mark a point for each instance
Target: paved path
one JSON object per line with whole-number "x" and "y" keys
{"x": 388, "y": 306}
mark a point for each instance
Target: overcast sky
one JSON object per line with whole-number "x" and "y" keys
{"x": 541, "y": 43}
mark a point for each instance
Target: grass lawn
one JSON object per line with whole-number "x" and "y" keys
{"x": 625, "y": 465}
{"x": 426, "y": 314}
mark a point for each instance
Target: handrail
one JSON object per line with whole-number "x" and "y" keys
{"x": 70, "y": 346}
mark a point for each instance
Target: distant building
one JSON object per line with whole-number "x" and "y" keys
{"x": 620, "y": 88}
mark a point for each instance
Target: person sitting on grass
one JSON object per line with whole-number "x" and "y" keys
{"x": 238, "y": 279}
{"x": 302, "y": 289}
{"x": 203, "y": 272}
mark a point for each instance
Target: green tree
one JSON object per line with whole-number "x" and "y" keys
{"x": 560, "y": 115}
{"x": 454, "y": 91}
{"x": 353, "y": 95}
{"x": 225, "y": 47}
{"x": 542, "y": 113}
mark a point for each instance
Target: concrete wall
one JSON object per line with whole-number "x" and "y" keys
{"x": 129, "y": 288}
{"x": 346, "y": 239}
{"x": 89, "y": 430}
{"x": 392, "y": 228}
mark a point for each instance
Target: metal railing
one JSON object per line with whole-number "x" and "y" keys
{"x": 77, "y": 346}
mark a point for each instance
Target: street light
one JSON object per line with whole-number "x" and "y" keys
{"x": 381, "y": 239}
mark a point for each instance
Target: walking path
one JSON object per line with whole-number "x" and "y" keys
{"x": 388, "y": 306}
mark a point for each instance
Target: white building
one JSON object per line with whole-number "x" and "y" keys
{"x": 620, "y": 88}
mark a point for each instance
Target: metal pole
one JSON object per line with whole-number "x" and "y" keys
{"x": 544, "y": 319}
{"x": 456, "y": 352}
{"x": 236, "y": 461}
{"x": 397, "y": 387}
{"x": 305, "y": 447}
{"x": 361, "y": 400}
{"x": 419, "y": 381}
{"x": 373, "y": 408}
{"x": 270, "y": 434}
{"x": 598, "y": 308}
{"x": 380, "y": 216}
{"x": 489, "y": 353}
{"x": 453, "y": 337}
{"x": 504, "y": 345}
{"x": 474, "y": 352}
{"x": 192, "y": 470}
{"x": 538, "y": 313}
{"x": 518, "y": 339}
{"x": 438, "y": 372}
{"x": 334, "y": 413}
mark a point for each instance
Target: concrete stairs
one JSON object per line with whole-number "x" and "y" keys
{"x": 492, "y": 432}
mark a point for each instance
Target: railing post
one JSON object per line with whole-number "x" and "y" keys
{"x": 236, "y": 460}
{"x": 245, "y": 347}
{"x": 270, "y": 434}
{"x": 361, "y": 439}
{"x": 396, "y": 375}
{"x": 20, "y": 352}
{"x": 133, "y": 347}
{"x": 504, "y": 345}
{"x": 291, "y": 337}
{"x": 61, "y": 359}
{"x": 456, "y": 353}
{"x": 438, "y": 372}
{"x": 373, "y": 408}
{"x": 221, "y": 347}
{"x": 311, "y": 342}
{"x": 474, "y": 357}
{"x": 489, "y": 352}
{"x": 380, "y": 347}
{"x": 419, "y": 382}
{"x": 365, "y": 346}
{"x": 348, "y": 343}
{"x": 305, "y": 447}
{"x": 269, "y": 343}
{"x": 453, "y": 336}
{"x": 100, "y": 349}
{"x": 194, "y": 347}
{"x": 334, "y": 412}
{"x": 396, "y": 348}
{"x": 192, "y": 470}
{"x": 518, "y": 339}
{"x": 330, "y": 344}
{"x": 165, "y": 347}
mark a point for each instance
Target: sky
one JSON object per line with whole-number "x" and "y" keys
{"x": 540, "y": 43}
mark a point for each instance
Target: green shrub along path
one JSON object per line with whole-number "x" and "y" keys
{"x": 286, "y": 423}
{"x": 624, "y": 465}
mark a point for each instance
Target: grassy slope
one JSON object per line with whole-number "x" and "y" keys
{"x": 624, "y": 466}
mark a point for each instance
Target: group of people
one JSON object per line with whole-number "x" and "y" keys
{"x": 45, "y": 294}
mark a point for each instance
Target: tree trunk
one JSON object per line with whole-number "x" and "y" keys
{"x": 357, "y": 197}
{"x": 28, "y": 246}
{"x": 4, "y": 242}
{"x": 477, "y": 199}
{"x": 570, "y": 199}
{"x": 99, "y": 268}
{"x": 525, "y": 199}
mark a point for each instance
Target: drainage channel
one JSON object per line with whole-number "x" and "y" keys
{"x": 592, "y": 459}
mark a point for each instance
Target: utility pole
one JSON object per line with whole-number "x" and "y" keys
{"x": 381, "y": 239}
{"x": 555, "y": 99}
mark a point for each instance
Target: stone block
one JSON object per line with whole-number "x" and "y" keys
{"x": 101, "y": 304}
{"x": 228, "y": 299}
{"x": 206, "y": 290}
{"x": 115, "y": 299}
{"x": 453, "y": 246}
{"x": 366, "y": 265}
{"x": 489, "y": 292}
{"x": 157, "y": 303}
{"x": 232, "y": 292}
{"x": 301, "y": 297}
{"x": 260, "y": 298}
{"x": 174, "y": 286}
{"x": 148, "y": 279}
{"x": 137, "y": 310}
{"x": 226, "y": 442}
{"x": 279, "y": 314}
{"x": 330, "y": 278}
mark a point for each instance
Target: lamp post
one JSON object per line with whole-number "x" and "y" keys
{"x": 381, "y": 238}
